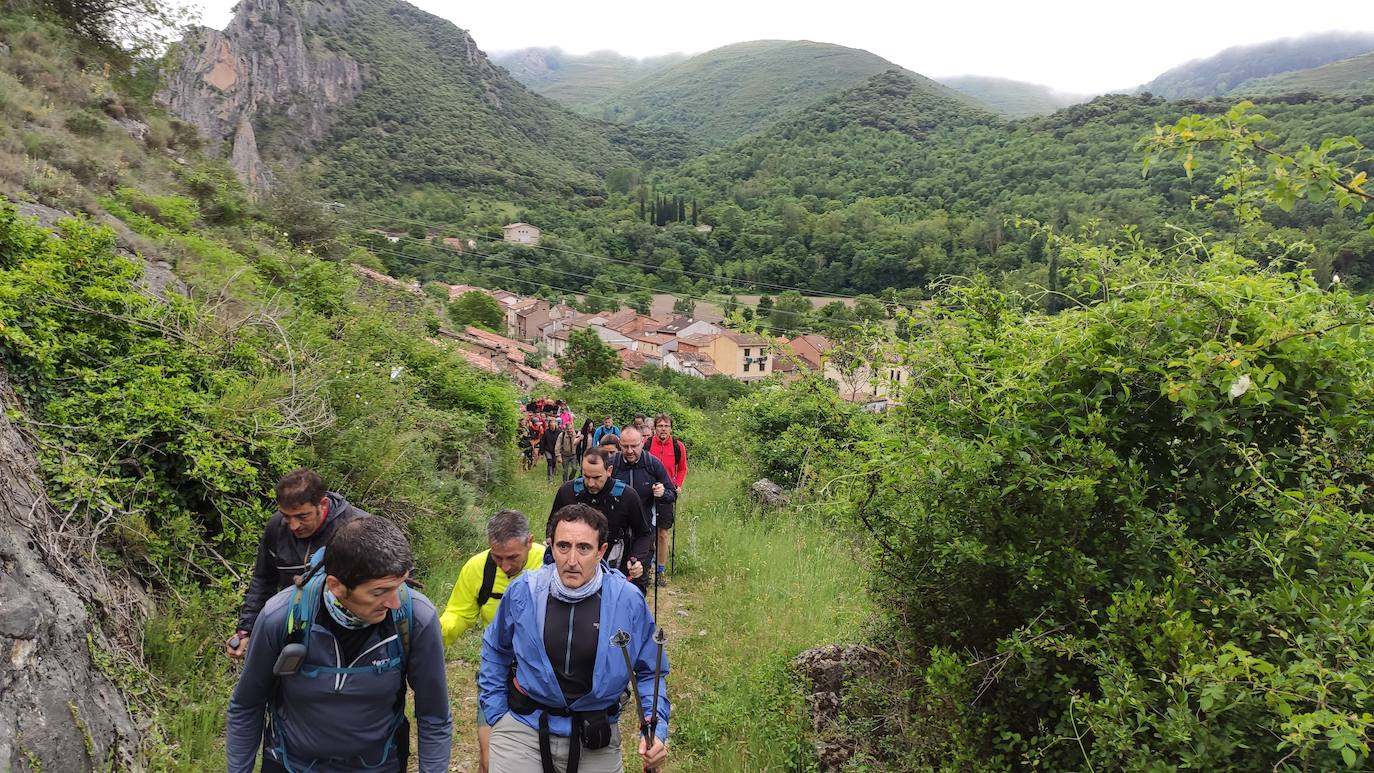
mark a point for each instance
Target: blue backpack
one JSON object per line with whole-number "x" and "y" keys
{"x": 300, "y": 617}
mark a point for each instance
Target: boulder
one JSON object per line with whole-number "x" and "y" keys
{"x": 768, "y": 493}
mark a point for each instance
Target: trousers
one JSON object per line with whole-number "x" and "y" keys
{"x": 515, "y": 749}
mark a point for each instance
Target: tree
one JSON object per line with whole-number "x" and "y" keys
{"x": 588, "y": 360}
{"x": 641, "y": 301}
{"x": 788, "y": 313}
{"x": 685, "y": 307}
{"x": 475, "y": 307}
{"x": 135, "y": 26}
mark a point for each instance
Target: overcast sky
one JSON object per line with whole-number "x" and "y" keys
{"x": 1072, "y": 45}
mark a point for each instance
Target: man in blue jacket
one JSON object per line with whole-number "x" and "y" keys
{"x": 323, "y": 687}
{"x": 551, "y": 679}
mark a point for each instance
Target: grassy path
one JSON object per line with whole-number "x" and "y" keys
{"x": 749, "y": 592}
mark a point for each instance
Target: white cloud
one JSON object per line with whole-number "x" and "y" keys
{"x": 1072, "y": 45}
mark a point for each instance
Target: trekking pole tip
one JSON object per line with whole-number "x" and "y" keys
{"x": 621, "y": 639}
{"x": 660, "y": 636}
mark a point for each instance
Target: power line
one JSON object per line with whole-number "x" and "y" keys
{"x": 651, "y": 268}
{"x": 760, "y": 324}
{"x": 517, "y": 264}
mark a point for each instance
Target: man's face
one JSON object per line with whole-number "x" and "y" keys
{"x": 576, "y": 550}
{"x": 510, "y": 556}
{"x": 595, "y": 474}
{"x": 606, "y": 422}
{"x": 303, "y": 520}
{"x": 662, "y": 430}
{"x": 630, "y": 444}
{"x": 371, "y": 601}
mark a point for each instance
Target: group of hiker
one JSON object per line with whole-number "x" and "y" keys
{"x": 568, "y": 631}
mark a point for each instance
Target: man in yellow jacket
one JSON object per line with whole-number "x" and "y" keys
{"x": 483, "y": 581}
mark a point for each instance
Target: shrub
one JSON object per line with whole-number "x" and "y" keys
{"x": 622, "y": 400}
{"x": 86, "y": 123}
{"x": 791, "y": 429}
{"x": 1137, "y": 534}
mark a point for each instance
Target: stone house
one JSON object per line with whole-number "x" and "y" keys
{"x": 521, "y": 233}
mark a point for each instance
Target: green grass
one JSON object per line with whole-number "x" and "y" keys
{"x": 758, "y": 588}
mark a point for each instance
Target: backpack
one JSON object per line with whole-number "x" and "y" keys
{"x": 300, "y": 616}
{"x": 677, "y": 450}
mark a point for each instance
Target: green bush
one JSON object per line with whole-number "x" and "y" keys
{"x": 790, "y": 430}
{"x": 87, "y": 123}
{"x": 622, "y": 400}
{"x": 1137, "y": 534}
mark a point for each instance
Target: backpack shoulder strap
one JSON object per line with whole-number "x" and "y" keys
{"x": 678, "y": 451}
{"x": 403, "y": 617}
{"x": 485, "y": 594}
{"x": 618, "y": 488}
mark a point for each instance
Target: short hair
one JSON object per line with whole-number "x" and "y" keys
{"x": 599, "y": 454}
{"x": 580, "y": 513}
{"x": 605, "y": 418}
{"x": 367, "y": 548}
{"x": 300, "y": 487}
{"x": 663, "y": 417}
{"x": 508, "y": 525}
{"x": 627, "y": 431}
{"x": 610, "y": 440}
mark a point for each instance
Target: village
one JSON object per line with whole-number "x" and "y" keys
{"x": 537, "y": 331}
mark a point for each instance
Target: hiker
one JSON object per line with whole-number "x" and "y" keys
{"x": 673, "y": 454}
{"x": 567, "y": 452}
{"x": 607, "y": 427}
{"x": 324, "y": 684}
{"x": 584, "y": 438}
{"x": 629, "y": 535}
{"x": 649, "y": 478}
{"x": 548, "y": 446}
{"x": 551, "y": 679}
{"x": 565, "y": 414}
{"x": 640, "y": 423}
{"x": 525, "y": 437}
{"x": 307, "y": 517}
{"x": 482, "y": 582}
{"x": 610, "y": 444}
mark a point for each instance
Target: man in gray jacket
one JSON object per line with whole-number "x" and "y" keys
{"x": 306, "y": 518}
{"x": 323, "y": 688}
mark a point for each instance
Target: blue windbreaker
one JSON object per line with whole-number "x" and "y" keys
{"x": 518, "y": 633}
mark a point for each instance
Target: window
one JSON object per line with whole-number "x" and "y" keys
{"x": 746, "y": 363}
{"x": 746, "y": 354}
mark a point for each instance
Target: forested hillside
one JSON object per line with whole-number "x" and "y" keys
{"x": 723, "y": 94}
{"x": 1230, "y": 70}
{"x": 888, "y": 187}
{"x": 579, "y": 81}
{"x": 430, "y": 109}
{"x": 1347, "y": 77}
{"x": 1010, "y": 98}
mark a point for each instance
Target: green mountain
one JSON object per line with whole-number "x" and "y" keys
{"x": 1353, "y": 76}
{"x": 1014, "y": 99}
{"x": 728, "y": 92}
{"x": 379, "y": 96}
{"x": 1230, "y": 70}
{"x": 579, "y": 81}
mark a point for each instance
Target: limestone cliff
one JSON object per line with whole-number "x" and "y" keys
{"x": 269, "y": 63}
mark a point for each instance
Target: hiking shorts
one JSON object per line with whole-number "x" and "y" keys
{"x": 666, "y": 514}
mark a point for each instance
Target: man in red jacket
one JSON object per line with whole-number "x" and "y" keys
{"x": 673, "y": 454}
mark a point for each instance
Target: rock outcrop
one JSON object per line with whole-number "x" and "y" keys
{"x": 768, "y": 493}
{"x": 828, "y": 670}
{"x": 269, "y": 61}
{"x": 58, "y": 710}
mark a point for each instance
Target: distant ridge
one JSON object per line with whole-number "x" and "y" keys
{"x": 1348, "y": 77}
{"x": 1233, "y": 68}
{"x": 1012, "y": 98}
{"x": 579, "y": 80}
{"x": 728, "y": 92}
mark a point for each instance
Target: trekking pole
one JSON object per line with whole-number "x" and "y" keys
{"x": 672, "y": 551}
{"x": 660, "y": 638}
{"x": 653, "y": 531}
{"x": 621, "y": 639}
